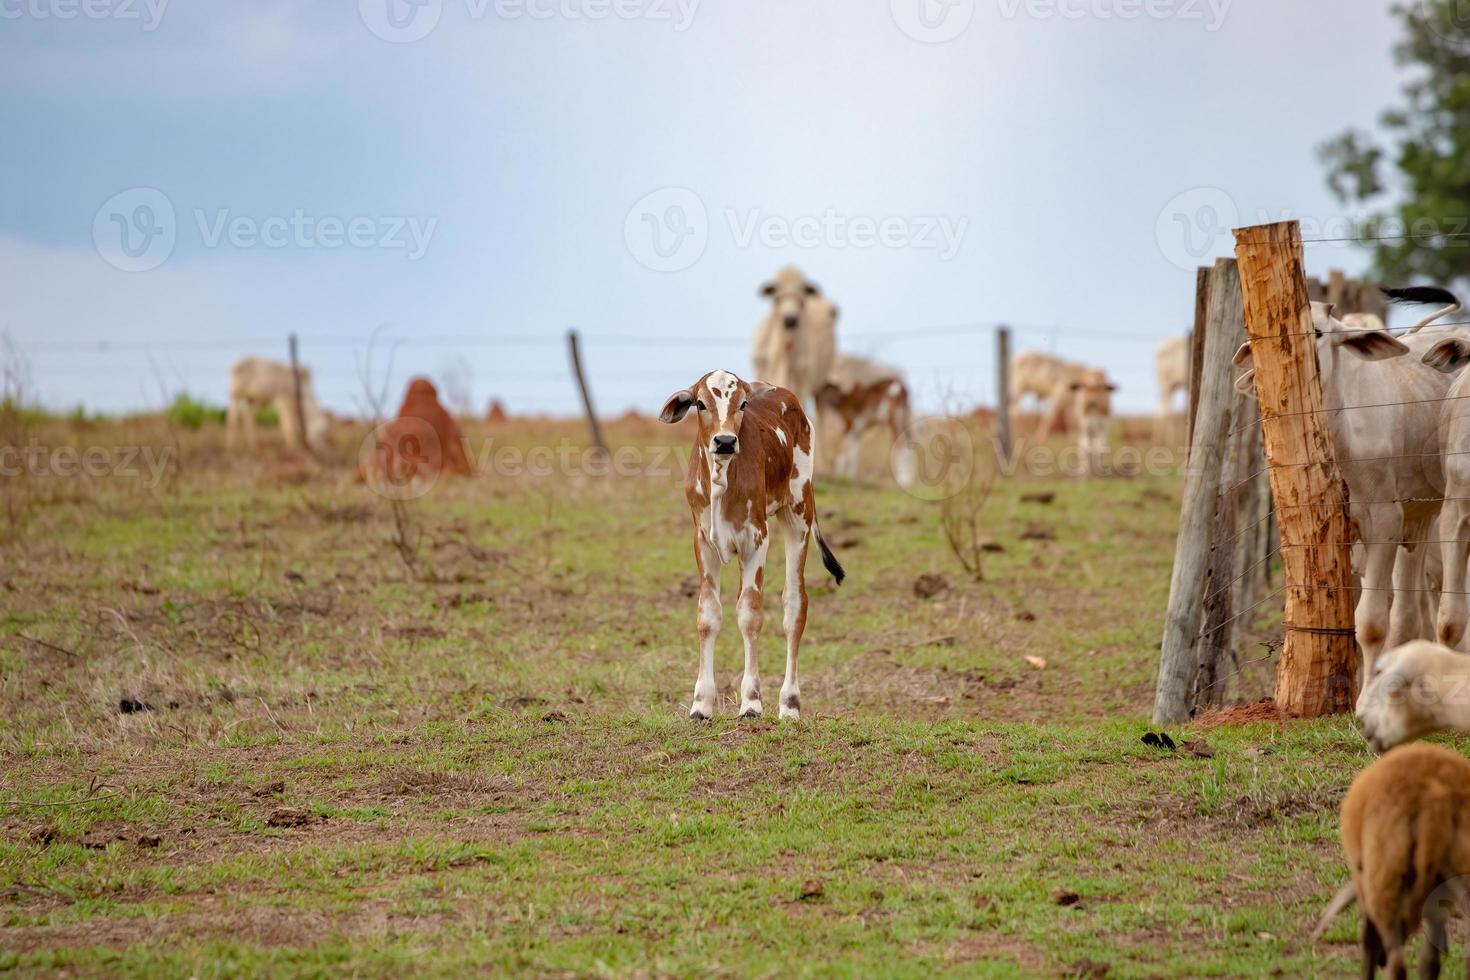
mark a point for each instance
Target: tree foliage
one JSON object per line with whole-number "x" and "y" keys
{"x": 1429, "y": 153}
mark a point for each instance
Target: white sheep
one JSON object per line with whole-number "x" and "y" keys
{"x": 1405, "y": 829}
{"x": 1418, "y": 688}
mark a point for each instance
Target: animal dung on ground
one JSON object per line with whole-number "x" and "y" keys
{"x": 1064, "y": 896}
{"x": 992, "y": 547}
{"x": 1198, "y": 748}
{"x": 129, "y": 706}
{"x": 928, "y": 586}
{"x": 1038, "y": 532}
{"x": 1026, "y": 616}
{"x": 811, "y": 890}
{"x": 285, "y": 817}
{"x": 1045, "y": 497}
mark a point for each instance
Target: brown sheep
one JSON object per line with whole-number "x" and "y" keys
{"x": 1405, "y": 828}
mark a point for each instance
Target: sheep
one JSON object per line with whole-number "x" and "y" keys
{"x": 1418, "y": 688}
{"x": 1405, "y": 828}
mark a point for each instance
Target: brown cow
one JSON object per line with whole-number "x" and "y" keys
{"x": 752, "y": 460}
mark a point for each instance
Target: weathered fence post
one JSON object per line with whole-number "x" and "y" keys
{"x": 575, "y": 346}
{"x": 1180, "y": 654}
{"x": 300, "y": 427}
{"x": 1202, "y": 277}
{"x": 1316, "y": 673}
{"x": 1003, "y": 390}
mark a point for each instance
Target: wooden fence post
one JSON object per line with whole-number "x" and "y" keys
{"x": 1196, "y": 345}
{"x": 1316, "y": 673}
{"x": 1003, "y": 390}
{"x": 1180, "y": 653}
{"x": 575, "y": 346}
{"x": 301, "y": 426}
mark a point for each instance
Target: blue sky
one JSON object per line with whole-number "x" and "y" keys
{"x": 471, "y": 193}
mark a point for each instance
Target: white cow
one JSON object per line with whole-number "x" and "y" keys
{"x": 256, "y": 382}
{"x": 1171, "y": 368}
{"x": 796, "y": 342}
{"x": 1383, "y": 410}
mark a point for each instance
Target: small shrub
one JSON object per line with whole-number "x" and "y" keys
{"x": 188, "y": 412}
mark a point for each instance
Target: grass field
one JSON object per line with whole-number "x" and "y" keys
{"x": 482, "y": 763}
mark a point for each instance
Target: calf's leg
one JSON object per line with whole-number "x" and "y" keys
{"x": 707, "y": 627}
{"x": 750, "y": 614}
{"x": 1454, "y": 527}
{"x": 797, "y": 532}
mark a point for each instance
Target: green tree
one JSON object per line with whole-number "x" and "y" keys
{"x": 1430, "y": 152}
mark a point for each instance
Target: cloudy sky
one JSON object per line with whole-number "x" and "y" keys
{"x": 190, "y": 181}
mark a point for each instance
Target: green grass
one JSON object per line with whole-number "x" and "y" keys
{"x": 492, "y": 771}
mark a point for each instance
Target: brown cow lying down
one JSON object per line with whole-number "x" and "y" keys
{"x": 423, "y": 441}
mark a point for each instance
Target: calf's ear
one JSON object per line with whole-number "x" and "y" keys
{"x": 1246, "y": 383}
{"x": 767, "y": 290}
{"x": 1374, "y": 345}
{"x": 1448, "y": 356}
{"x": 1242, "y": 354}
{"x": 677, "y": 406}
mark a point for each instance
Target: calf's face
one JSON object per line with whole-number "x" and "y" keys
{"x": 719, "y": 399}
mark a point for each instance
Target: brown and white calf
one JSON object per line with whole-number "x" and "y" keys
{"x": 863, "y": 395}
{"x": 1093, "y": 396}
{"x": 752, "y": 461}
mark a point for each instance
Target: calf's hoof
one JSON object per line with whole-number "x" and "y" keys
{"x": 751, "y": 709}
{"x": 791, "y": 708}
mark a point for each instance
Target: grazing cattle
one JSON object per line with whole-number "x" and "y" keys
{"x": 863, "y": 394}
{"x": 1092, "y": 396}
{"x": 1420, "y": 688}
{"x": 796, "y": 343}
{"x": 752, "y": 460}
{"x": 422, "y": 441}
{"x": 258, "y": 382}
{"x": 1171, "y": 368}
{"x": 1049, "y": 380}
{"x": 1383, "y": 411}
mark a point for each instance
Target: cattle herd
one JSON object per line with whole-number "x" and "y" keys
{"x": 1399, "y": 415}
